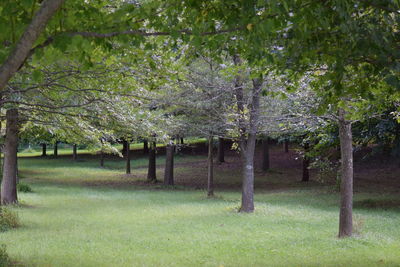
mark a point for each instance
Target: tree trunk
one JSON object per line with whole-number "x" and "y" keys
{"x": 346, "y": 185}
{"x": 286, "y": 145}
{"x": 145, "y": 146}
{"x": 221, "y": 150}
{"x": 128, "y": 157}
{"x": 55, "y": 149}
{"x": 74, "y": 152}
{"x": 124, "y": 148}
{"x": 306, "y": 163}
{"x": 247, "y": 146}
{"x": 169, "y": 165}
{"x": 44, "y": 150}
{"x": 182, "y": 141}
{"x": 9, "y": 181}
{"x": 24, "y": 45}
{"x": 265, "y": 154}
{"x": 101, "y": 157}
{"x": 210, "y": 174}
{"x": 151, "y": 172}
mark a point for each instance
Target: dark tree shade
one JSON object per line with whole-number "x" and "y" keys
{"x": 221, "y": 150}
{"x": 210, "y": 174}
{"x": 306, "y": 163}
{"x": 265, "y": 154}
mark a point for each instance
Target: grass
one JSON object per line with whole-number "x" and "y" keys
{"x": 69, "y": 221}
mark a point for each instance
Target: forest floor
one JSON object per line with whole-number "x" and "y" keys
{"x": 82, "y": 215}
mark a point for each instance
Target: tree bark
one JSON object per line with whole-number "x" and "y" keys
{"x": 9, "y": 181}
{"x": 306, "y": 163}
{"x": 128, "y": 157}
{"x": 346, "y": 185}
{"x": 74, "y": 152}
{"x": 151, "y": 172}
{"x": 286, "y": 146}
{"x": 247, "y": 147}
{"x": 182, "y": 141}
{"x": 265, "y": 154}
{"x": 124, "y": 148}
{"x": 221, "y": 150}
{"x": 145, "y": 146}
{"x": 55, "y": 149}
{"x": 210, "y": 173}
{"x": 44, "y": 150}
{"x": 169, "y": 165}
{"x": 23, "y": 47}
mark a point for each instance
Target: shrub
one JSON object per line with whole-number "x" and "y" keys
{"x": 4, "y": 258}
{"x": 24, "y": 188}
{"x": 8, "y": 219}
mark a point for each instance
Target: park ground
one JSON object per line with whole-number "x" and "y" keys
{"x": 82, "y": 215}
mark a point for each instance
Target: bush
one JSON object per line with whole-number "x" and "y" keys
{"x": 24, "y": 188}
{"x": 4, "y": 258}
{"x": 8, "y": 219}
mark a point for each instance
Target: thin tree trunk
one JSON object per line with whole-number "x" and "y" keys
{"x": 306, "y": 163}
{"x": 286, "y": 146}
{"x": 210, "y": 174}
{"x": 55, "y": 149}
{"x": 101, "y": 157}
{"x": 221, "y": 150}
{"x": 169, "y": 165}
{"x": 248, "y": 148}
{"x": 74, "y": 152}
{"x": 151, "y": 172}
{"x": 182, "y": 141}
{"x": 24, "y": 45}
{"x": 9, "y": 181}
{"x": 145, "y": 146}
{"x": 265, "y": 154}
{"x": 128, "y": 158}
{"x": 44, "y": 150}
{"x": 346, "y": 186}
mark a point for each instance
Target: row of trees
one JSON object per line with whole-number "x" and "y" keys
{"x": 342, "y": 55}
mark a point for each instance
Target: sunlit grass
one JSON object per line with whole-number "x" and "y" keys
{"x": 67, "y": 223}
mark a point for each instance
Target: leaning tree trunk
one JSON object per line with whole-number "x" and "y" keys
{"x": 9, "y": 182}
{"x": 210, "y": 173}
{"x": 55, "y": 149}
{"x": 346, "y": 185}
{"x": 151, "y": 172}
{"x": 221, "y": 150}
{"x": 169, "y": 165}
{"x": 44, "y": 150}
{"x": 306, "y": 163}
{"x": 128, "y": 157}
{"x": 24, "y": 45}
{"x": 74, "y": 152}
{"x": 265, "y": 154}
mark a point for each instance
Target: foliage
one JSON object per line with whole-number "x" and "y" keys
{"x": 4, "y": 258}
{"x": 24, "y": 188}
{"x": 8, "y": 219}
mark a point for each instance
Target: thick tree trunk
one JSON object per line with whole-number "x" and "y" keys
{"x": 286, "y": 146}
{"x": 145, "y": 146}
{"x": 346, "y": 186}
{"x": 182, "y": 141}
{"x": 265, "y": 154}
{"x": 44, "y": 150}
{"x": 210, "y": 173}
{"x": 169, "y": 165}
{"x": 9, "y": 181}
{"x": 124, "y": 148}
{"x": 23, "y": 47}
{"x": 221, "y": 150}
{"x": 55, "y": 149}
{"x": 74, "y": 152}
{"x": 128, "y": 157}
{"x": 151, "y": 172}
{"x": 306, "y": 163}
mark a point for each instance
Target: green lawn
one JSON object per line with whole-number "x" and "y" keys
{"x": 82, "y": 215}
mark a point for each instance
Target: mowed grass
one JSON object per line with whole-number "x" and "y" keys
{"x": 68, "y": 221}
